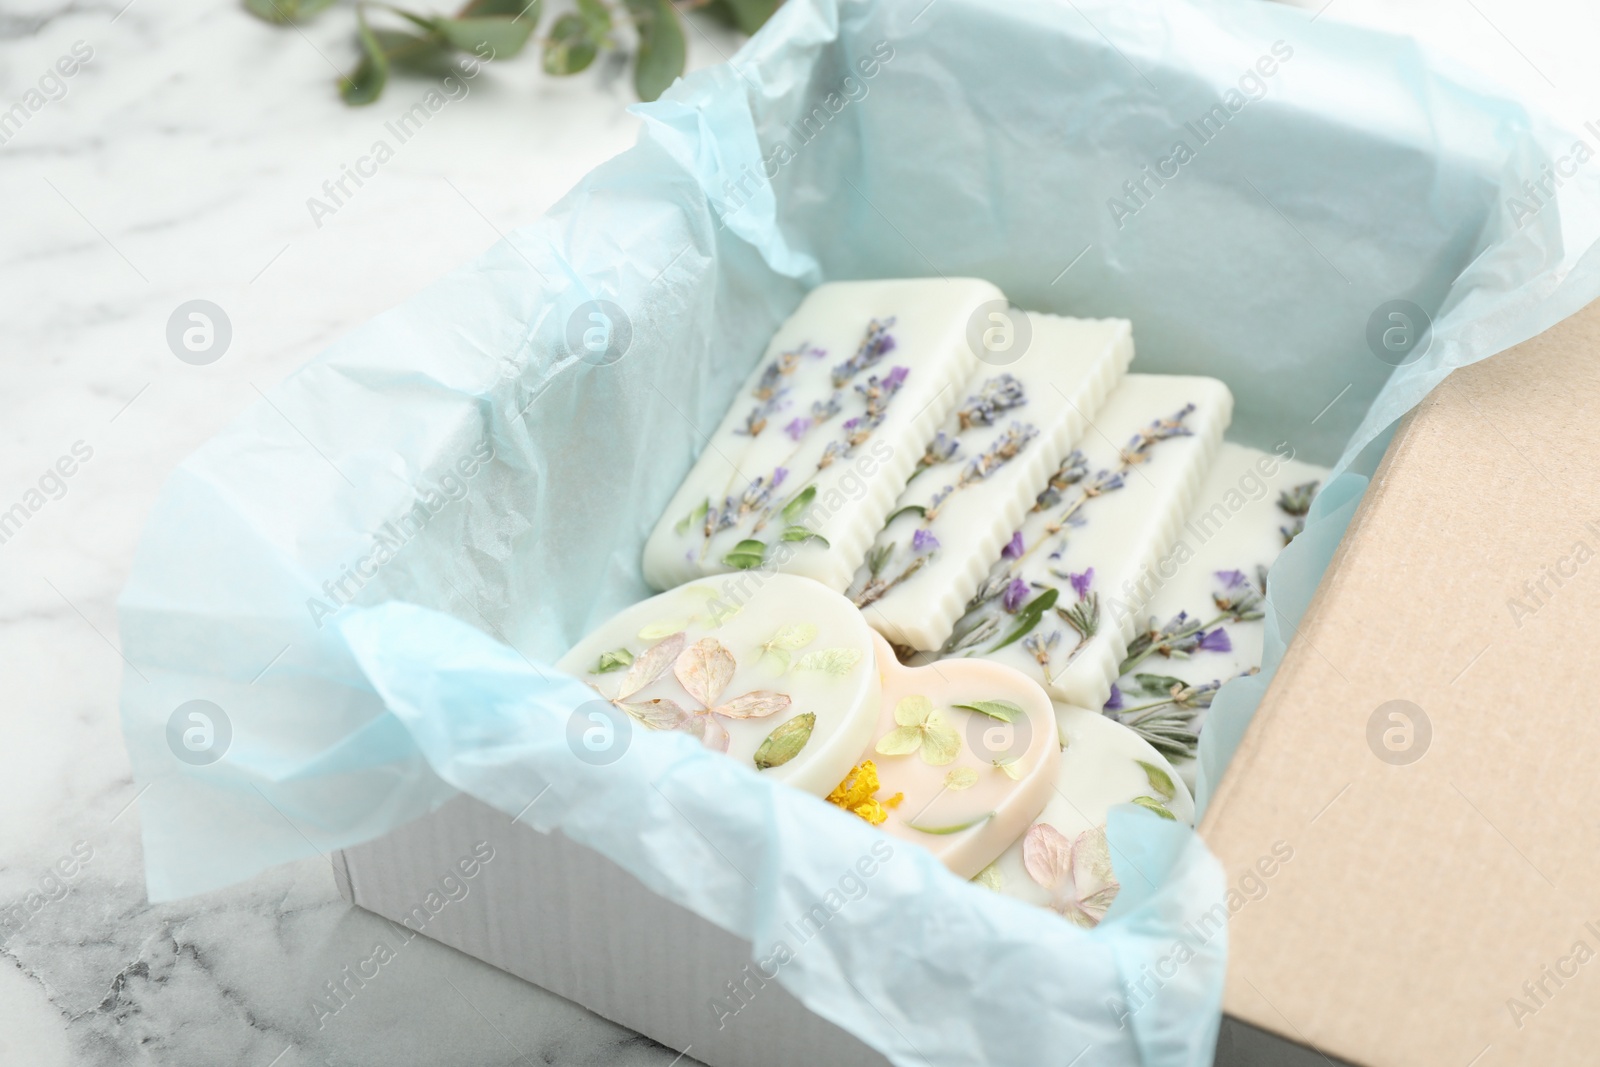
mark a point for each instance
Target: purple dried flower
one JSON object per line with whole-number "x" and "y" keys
{"x": 1215, "y": 641}
{"x": 1232, "y": 579}
{"x": 797, "y": 429}
{"x": 1016, "y": 592}
{"x": 924, "y": 541}
{"x": 897, "y": 376}
{"x": 851, "y": 424}
{"x": 1081, "y": 582}
{"x": 1114, "y": 702}
{"x": 1014, "y": 548}
{"x": 778, "y": 475}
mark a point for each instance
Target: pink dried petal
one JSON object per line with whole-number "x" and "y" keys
{"x": 651, "y": 664}
{"x": 1046, "y": 855}
{"x": 704, "y": 670}
{"x": 756, "y": 705}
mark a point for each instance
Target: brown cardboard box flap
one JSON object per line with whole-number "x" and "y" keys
{"x": 1445, "y": 873}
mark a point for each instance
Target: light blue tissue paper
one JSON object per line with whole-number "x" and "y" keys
{"x": 462, "y": 468}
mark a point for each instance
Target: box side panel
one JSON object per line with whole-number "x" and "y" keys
{"x": 557, "y": 914}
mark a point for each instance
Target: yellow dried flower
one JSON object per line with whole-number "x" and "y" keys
{"x": 855, "y": 794}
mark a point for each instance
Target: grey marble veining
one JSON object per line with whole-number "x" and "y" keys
{"x": 176, "y": 164}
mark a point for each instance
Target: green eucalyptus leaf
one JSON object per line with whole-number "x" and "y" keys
{"x": 1003, "y": 710}
{"x": 498, "y": 36}
{"x": 613, "y": 661}
{"x": 415, "y": 54}
{"x": 697, "y": 516}
{"x": 915, "y": 509}
{"x": 366, "y": 84}
{"x": 746, "y": 554}
{"x": 662, "y": 51}
{"x": 598, "y": 17}
{"x": 791, "y": 510}
{"x": 567, "y": 50}
{"x": 956, "y": 829}
{"x": 750, "y": 15}
{"x": 528, "y": 9}
{"x": 283, "y": 12}
{"x": 1152, "y": 804}
{"x": 785, "y": 743}
{"x": 1160, "y": 780}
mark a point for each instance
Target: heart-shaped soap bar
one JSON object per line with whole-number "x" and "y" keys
{"x": 1063, "y": 862}
{"x": 965, "y": 753}
{"x": 775, "y": 670}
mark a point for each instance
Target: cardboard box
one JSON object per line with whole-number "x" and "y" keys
{"x": 564, "y": 917}
{"x": 1442, "y": 849}
{"x": 1439, "y": 908}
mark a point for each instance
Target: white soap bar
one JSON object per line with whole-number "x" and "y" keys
{"x": 819, "y": 442}
{"x": 1071, "y": 588}
{"x": 966, "y": 755}
{"x": 1203, "y": 625}
{"x": 777, "y": 671}
{"x": 1066, "y": 866}
{"x": 973, "y": 485}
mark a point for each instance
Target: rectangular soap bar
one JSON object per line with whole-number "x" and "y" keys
{"x": 1071, "y": 588}
{"x": 1204, "y": 624}
{"x": 806, "y": 465}
{"x": 981, "y": 474}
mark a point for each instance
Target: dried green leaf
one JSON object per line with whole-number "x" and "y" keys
{"x": 1003, "y": 710}
{"x": 991, "y": 878}
{"x": 1152, "y": 804}
{"x": 940, "y": 743}
{"x": 747, "y": 16}
{"x": 694, "y": 518}
{"x": 655, "y": 631}
{"x": 915, "y": 509}
{"x": 800, "y": 533}
{"x": 795, "y": 635}
{"x": 614, "y": 660}
{"x": 913, "y": 711}
{"x": 1158, "y": 684}
{"x": 1029, "y": 617}
{"x": 746, "y": 554}
{"x": 960, "y": 778}
{"x": 785, "y": 743}
{"x": 366, "y": 84}
{"x": 899, "y": 741}
{"x": 835, "y": 661}
{"x": 791, "y": 511}
{"x": 661, "y": 55}
{"x": 1011, "y": 768}
{"x": 570, "y": 48}
{"x": 956, "y": 829}
{"x": 1160, "y": 780}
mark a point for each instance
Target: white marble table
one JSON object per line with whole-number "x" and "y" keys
{"x": 177, "y": 166}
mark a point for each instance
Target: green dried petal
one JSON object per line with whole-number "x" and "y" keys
{"x": 785, "y": 743}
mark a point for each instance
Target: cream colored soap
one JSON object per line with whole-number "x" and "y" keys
{"x": 979, "y": 477}
{"x": 807, "y": 463}
{"x": 1072, "y": 587}
{"x": 776, "y": 671}
{"x": 1066, "y": 866}
{"x": 969, "y": 781}
{"x": 1203, "y": 626}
